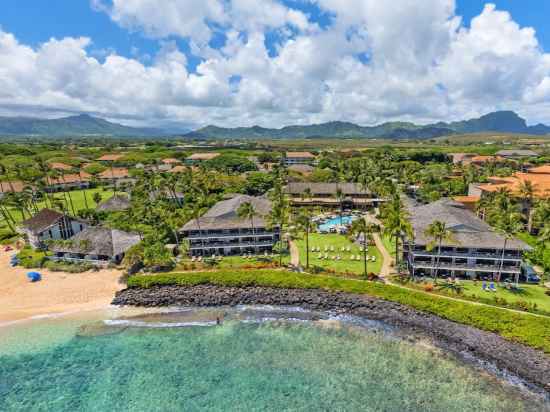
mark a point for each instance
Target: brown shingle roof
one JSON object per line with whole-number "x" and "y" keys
{"x": 69, "y": 178}
{"x": 13, "y": 186}
{"x": 98, "y": 241}
{"x": 170, "y": 161}
{"x": 223, "y": 215}
{"x": 348, "y": 189}
{"x": 544, "y": 169}
{"x": 42, "y": 220}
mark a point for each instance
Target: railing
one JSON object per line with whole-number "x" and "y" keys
{"x": 497, "y": 256}
{"x": 229, "y": 235}
{"x": 468, "y": 268}
{"x": 230, "y": 245}
{"x": 80, "y": 260}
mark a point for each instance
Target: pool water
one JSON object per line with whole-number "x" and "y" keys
{"x": 267, "y": 361}
{"x": 331, "y": 223}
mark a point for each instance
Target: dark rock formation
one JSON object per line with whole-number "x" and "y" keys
{"x": 531, "y": 365}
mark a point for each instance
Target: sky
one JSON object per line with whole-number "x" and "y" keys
{"x": 190, "y": 63}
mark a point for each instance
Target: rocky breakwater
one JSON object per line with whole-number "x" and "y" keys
{"x": 469, "y": 343}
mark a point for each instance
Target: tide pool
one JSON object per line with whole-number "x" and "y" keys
{"x": 262, "y": 361}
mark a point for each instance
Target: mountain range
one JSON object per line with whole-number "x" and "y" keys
{"x": 80, "y": 125}
{"x": 85, "y": 125}
{"x": 500, "y": 122}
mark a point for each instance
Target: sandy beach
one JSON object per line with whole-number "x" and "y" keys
{"x": 58, "y": 292}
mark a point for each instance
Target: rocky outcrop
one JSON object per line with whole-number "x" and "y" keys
{"x": 531, "y": 365}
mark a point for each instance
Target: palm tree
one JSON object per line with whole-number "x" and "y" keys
{"x": 544, "y": 234}
{"x": 438, "y": 232}
{"x": 527, "y": 191}
{"x": 306, "y": 226}
{"x": 508, "y": 223}
{"x": 247, "y": 211}
{"x": 339, "y": 196}
{"x": 361, "y": 227}
{"x": 396, "y": 223}
{"x": 279, "y": 213}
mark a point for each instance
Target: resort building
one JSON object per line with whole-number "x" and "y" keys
{"x": 474, "y": 250}
{"x": 72, "y": 181}
{"x": 221, "y": 231}
{"x": 298, "y": 158}
{"x": 516, "y": 153}
{"x": 539, "y": 180}
{"x": 50, "y": 225}
{"x": 197, "y": 158}
{"x": 347, "y": 195}
{"x": 95, "y": 245}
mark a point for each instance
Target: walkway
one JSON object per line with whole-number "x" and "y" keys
{"x": 294, "y": 254}
{"x": 387, "y": 263}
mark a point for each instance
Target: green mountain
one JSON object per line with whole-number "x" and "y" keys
{"x": 81, "y": 125}
{"x": 503, "y": 122}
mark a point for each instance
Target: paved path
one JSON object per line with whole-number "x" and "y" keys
{"x": 387, "y": 263}
{"x": 294, "y": 254}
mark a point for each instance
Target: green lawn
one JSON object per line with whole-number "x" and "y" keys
{"x": 233, "y": 262}
{"x": 346, "y": 265}
{"x": 530, "y": 293}
{"x": 389, "y": 244}
{"x": 77, "y": 198}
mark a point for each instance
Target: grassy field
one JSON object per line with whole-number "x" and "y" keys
{"x": 233, "y": 262}
{"x": 341, "y": 266}
{"x": 525, "y": 328}
{"x": 533, "y": 294}
{"x": 77, "y": 198}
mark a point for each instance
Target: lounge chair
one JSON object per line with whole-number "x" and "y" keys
{"x": 332, "y": 248}
{"x": 373, "y": 258}
{"x": 348, "y": 249}
{"x": 199, "y": 259}
{"x": 492, "y": 287}
{"x": 352, "y": 257}
{"x": 192, "y": 258}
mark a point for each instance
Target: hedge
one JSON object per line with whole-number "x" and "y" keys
{"x": 525, "y": 328}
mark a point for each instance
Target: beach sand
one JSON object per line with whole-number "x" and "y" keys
{"x": 58, "y": 292}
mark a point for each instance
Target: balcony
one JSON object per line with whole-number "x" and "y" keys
{"x": 473, "y": 255}
{"x": 468, "y": 268}
{"x": 230, "y": 245}
{"x": 243, "y": 233}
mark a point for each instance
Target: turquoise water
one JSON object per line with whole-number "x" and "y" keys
{"x": 329, "y": 224}
{"x": 269, "y": 365}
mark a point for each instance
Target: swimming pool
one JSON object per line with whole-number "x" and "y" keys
{"x": 331, "y": 223}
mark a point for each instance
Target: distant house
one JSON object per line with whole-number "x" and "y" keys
{"x": 302, "y": 169}
{"x": 116, "y": 175}
{"x": 459, "y": 158}
{"x": 70, "y": 181}
{"x": 59, "y": 166}
{"x": 516, "y": 153}
{"x": 95, "y": 245}
{"x": 179, "y": 169}
{"x": 483, "y": 160}
{"x": 110, "y": 158}
{"x": 116, "y": 203}
{"x": 11, "y": 187}
{"x": 197, "y": 158}
{"x": 171, "y": 161}
{"x": 475, "y": 250}
{"x": 50, "y": 225}
{"x": 298, "y": 158}
{"x": 325, "y": 194}
{"x": 221, "y": 231}
{"x": 469, "y": 202}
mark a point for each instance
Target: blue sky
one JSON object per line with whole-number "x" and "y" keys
{"x": 272, "y": 37}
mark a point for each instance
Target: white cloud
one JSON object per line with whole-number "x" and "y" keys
{"x": 423, "y": 64}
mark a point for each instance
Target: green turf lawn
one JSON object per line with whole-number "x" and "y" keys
{"x": 530, "y": 294}
{"x": 389, "y": 244}
{"x": 233, "y": 262}
{"x": 341, "y": 266}
{"x": 77, "y": 198}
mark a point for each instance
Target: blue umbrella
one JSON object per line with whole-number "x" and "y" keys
{"x": 34, "y": 276}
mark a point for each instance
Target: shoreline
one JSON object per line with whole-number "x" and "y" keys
{"x": 466, "y": 342}
{"x": 57, "y": 293}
